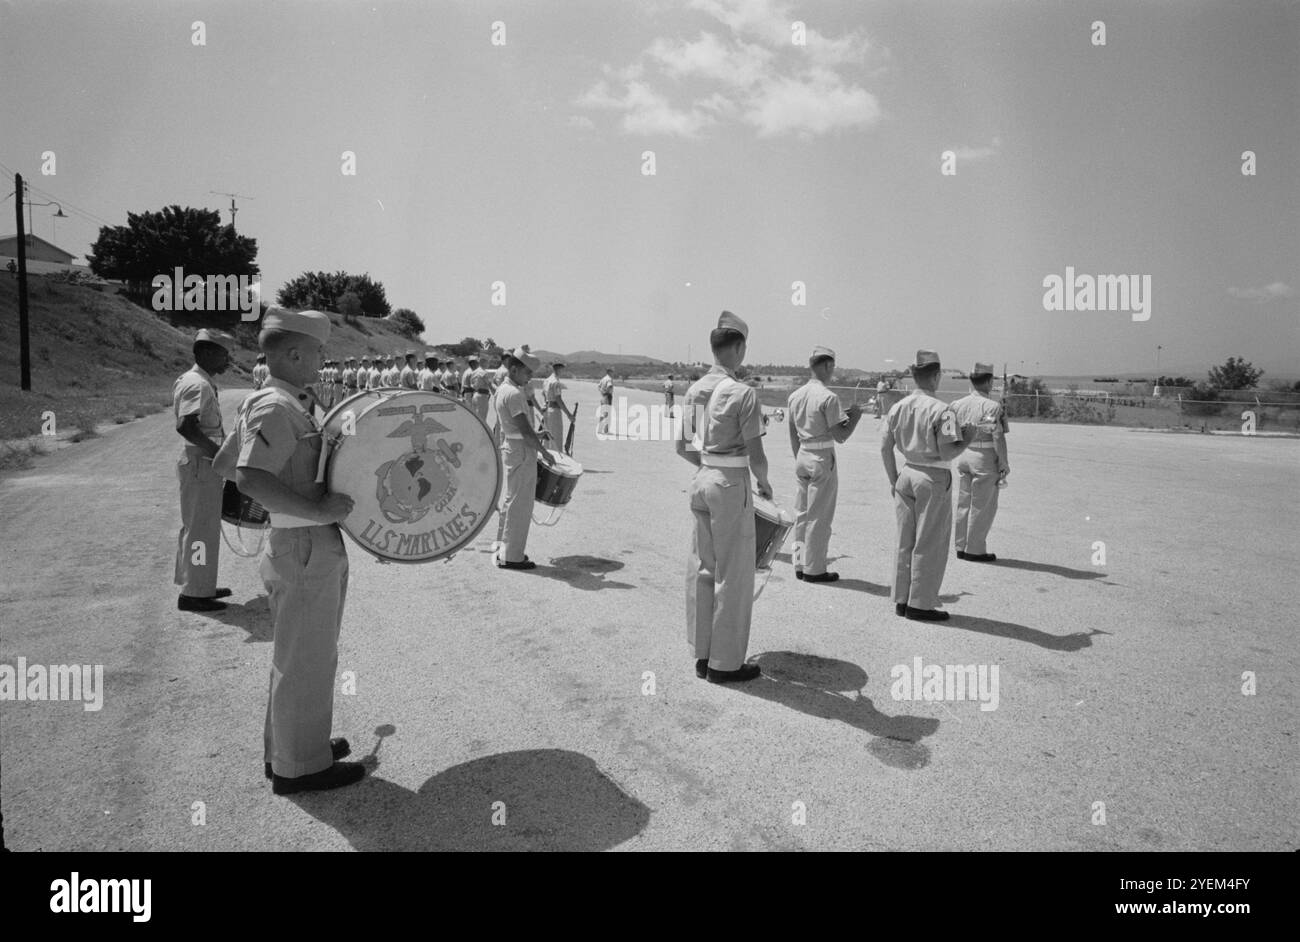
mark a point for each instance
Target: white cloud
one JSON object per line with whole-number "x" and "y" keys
{"x": 1262, "y": 295}
{"x": 738, "y": 65}
{"x": 751, "y": 72}
{"x": 815, "y": 103}
{"x": 978, "y": 153}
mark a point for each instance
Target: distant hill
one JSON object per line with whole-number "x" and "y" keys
{"x": 98, "y": 357}
{"x": 610, "y": 359}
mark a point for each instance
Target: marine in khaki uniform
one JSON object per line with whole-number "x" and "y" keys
{"x": 925, "y": 429}
{"x": 198, "y": 421}
{"x": 816, "y": 422}
{"x": 409, "y": 374}
{"x": 981, "y": 467}
{"x": 520, "y": 449}
{"x": 305, "y": 568}
{"x": 723, "y": 437}
{"x": 480, "y": 395}
{"x": 670, "y": 394}
{"x": 350, "y": 377}
{"x": 606, "y": 387}
{"x": 466, "y": 380}
{"x": 556, "y": 410}
{"x": 428, "y": 378}
{"x": 260, "y": 372}
{"x": 375, "y": 375}
{"x": 336, "y": 380}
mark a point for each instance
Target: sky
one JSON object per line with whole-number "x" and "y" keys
{"x": 522, "y": 162}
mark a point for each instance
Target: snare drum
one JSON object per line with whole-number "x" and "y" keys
{"x": 240, "y": 510}
{"x": 772, "y": 524}
{"x": 555, "y": 485}
{"x": 421, "y": 468}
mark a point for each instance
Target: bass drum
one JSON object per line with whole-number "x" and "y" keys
{"x": 422, "y": 469}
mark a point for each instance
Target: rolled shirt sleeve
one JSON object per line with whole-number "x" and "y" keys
{"x": 750, "y": 414}
{"x": 268, "y": 438}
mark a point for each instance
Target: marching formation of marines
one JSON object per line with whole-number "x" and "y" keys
{"x": 275, "y": 458}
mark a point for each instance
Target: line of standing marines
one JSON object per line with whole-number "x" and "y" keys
{"x": 275, "y": 451}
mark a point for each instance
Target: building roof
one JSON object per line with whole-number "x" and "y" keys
{"x": 9, "y": 245}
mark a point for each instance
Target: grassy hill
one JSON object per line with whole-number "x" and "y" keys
{"x": 99, "y": 358}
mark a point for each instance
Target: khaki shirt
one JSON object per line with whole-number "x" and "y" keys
{"x": 552, "y": 390}
{"x": 279, "y": 435}
{"x": 478, "y": 379}
{"x": 979, "y": 409}
{"x": 194, "y": 393}
{"x": 735, "y": 416}
{"x": 428, "y": 380}
{"x": 814, "y": 411}
{"x": 917, "y": 424}
{"x": 499, "y": 375}
{"x": 510, "y": 401}
{"x": 408, "y": 377}
{"x": 373, "y": 378}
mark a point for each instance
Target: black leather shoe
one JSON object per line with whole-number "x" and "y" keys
{"x": 746, "y": 672}
{"x": 822, "y": 577}
{"x": 900, "y": 608}
{"x": 979, "y": 557}
{"x": 221, "y": 594}
{"x": 524, "y": 564}
{"x": 193, "y": 603}
{"x": 925, "y": 614}
{"x": 798, "y": 573}
{"x": 336, "y": 776}
{"x": 961, "y": 554}
{"x": 702, "y": 668}
{"x": 339, "y": 749}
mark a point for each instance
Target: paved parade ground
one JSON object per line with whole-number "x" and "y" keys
{"x": 563, "y": 703}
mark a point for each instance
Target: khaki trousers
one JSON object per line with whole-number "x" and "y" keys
{"x": 479, "y": 403}
{"x": 200, "y": 523}
{"x": 720, "y": 569}
{"x": 923, "y": 506}
{"x": 555, "y": 426}
{"x": 818, "y": 480}
{"x": 517, "y": 498}
{"x": 305, "y": 570}
{"x": 977, "y": 499}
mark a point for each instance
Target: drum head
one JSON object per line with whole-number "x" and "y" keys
{"x": 772, "y": 511}
{"x": 565, "y": 466}
{"x": 422, "y": 470}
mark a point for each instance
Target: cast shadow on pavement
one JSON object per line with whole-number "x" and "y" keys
{"x": 1049, "y": 568}
{"x": 1076, "y": 641}
{"x": 253, "y": 616}
{"x": 551, "y": 799}
{"x": 584, "y": 572}
{"x": 820, "y": 687}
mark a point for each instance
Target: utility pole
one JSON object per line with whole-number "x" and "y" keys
{"x": 233, "y": 208}
{"x": 24, "y": 344}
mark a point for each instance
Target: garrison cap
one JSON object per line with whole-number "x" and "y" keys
{"x": 220, "y": 338}
{"x": 982, "y": 369}
{"x": 732, "y": 322}
{"x": 925, "y": 358}
{"x": 526, "y": 358}
{"x": 312, "y": 323}
{"x": 820, "y": 353}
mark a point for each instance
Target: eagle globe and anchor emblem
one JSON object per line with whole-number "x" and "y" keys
{"x": 424, "y": 478}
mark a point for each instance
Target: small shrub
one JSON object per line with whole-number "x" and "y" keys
{"x": 1202, "y": 400}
